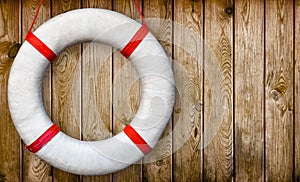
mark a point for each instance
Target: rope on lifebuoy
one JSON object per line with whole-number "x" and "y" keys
{"x": 43, "y": 139}
{"x": 41, "y": 47}
{"x": 137, "y": 139}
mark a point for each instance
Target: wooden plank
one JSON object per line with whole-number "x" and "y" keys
{"x": 10, "y": 145}
{"x": 187, "y": 158}
{"x": 35, "y": 169}
{"x": 218, "y": 155}
{"x": 126, "y": 92}
{"x": 66, "y": 89}
{"x": 157, "y": 165}
{"x": 96, "y": 90}
{"x": 297, "y": 91}
{"x": 279, "y": 90}
{"x": 249, "y": 90}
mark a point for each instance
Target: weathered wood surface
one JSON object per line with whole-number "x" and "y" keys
{"x": 218, "y": 36}
{"x": 249, "y": 90}
{"x": 10, "y": 143}
{"x": 297, "y": 92}
{"x": 279, "y": 90}
{"x": 92, "y": 92}
{"x": 187, "y": 162}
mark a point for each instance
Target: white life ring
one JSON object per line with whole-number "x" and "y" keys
{"x": 44, "y": 138}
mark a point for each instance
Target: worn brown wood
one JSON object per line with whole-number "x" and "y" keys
{"x": 10, "y": 145}
{"x": 158, "y": 164}
{"x": 126, "y": 93}
{"x": 297, "y": 91}
{"x": 218, "y": 155}
{"x": 249, "y": 90}
{"x": 96, "y": 90}
{"x": 279, "y": 90}
{"x": 187, "y": 158}
{"x": 99, "y": 95}
{"x": 35, "y": 169}
{"x": 66, "y": 89}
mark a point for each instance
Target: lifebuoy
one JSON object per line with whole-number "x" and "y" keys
{"x": 44, "y": 138}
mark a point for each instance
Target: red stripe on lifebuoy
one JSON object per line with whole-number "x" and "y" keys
{"x": 137, "y": 139}
{"x": 40, "y": 46}
{"x": 43, "y": 139}
{"x": 135, "y": 41}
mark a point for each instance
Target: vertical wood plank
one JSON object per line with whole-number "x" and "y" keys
{"x": 10, "y": 145}
{"x": 279, "y": 90}
{"x": 128, "y": 92}
{"x": 66, "y": 88}
{"x": 161, "y": 167}
{"x": 249, "y": 90}
{"x": 297, "y": 91}
{"x": 187, "y": 159}
{"x": 96, "y": 90}
{"x": 35, "y": 169}
{"x": 218, "y": 155}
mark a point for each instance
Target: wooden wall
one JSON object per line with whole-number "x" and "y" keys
{"x": 257, "y": 46}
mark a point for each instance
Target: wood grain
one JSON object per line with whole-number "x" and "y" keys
{"x": 249, "y": 90}
{"x": 96, "y": 90}
{"x": 160, "y": 168}
{"x": 297, "y": 92}
{"x": 279, "y": 90}
{"x": 187, "y": 158}
{"x": 66, "y": 89}
{"x": 218, "y": 155}
{"x": 10, "y": 145}
{"x": 100, "y": 95}
{"x": 35, "y": 169}
{"x": 126, "y": 93}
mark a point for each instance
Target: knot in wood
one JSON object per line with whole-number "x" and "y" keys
{"x": 198, "y": 106}
{"x": 159, "y": 162}
{"x": 228, "y": 10}
{"x": 13, "y": 50}
{"x": 275, "y": 95}
{"x": 177, "y": 111}
{"x": 2, "y": 177}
